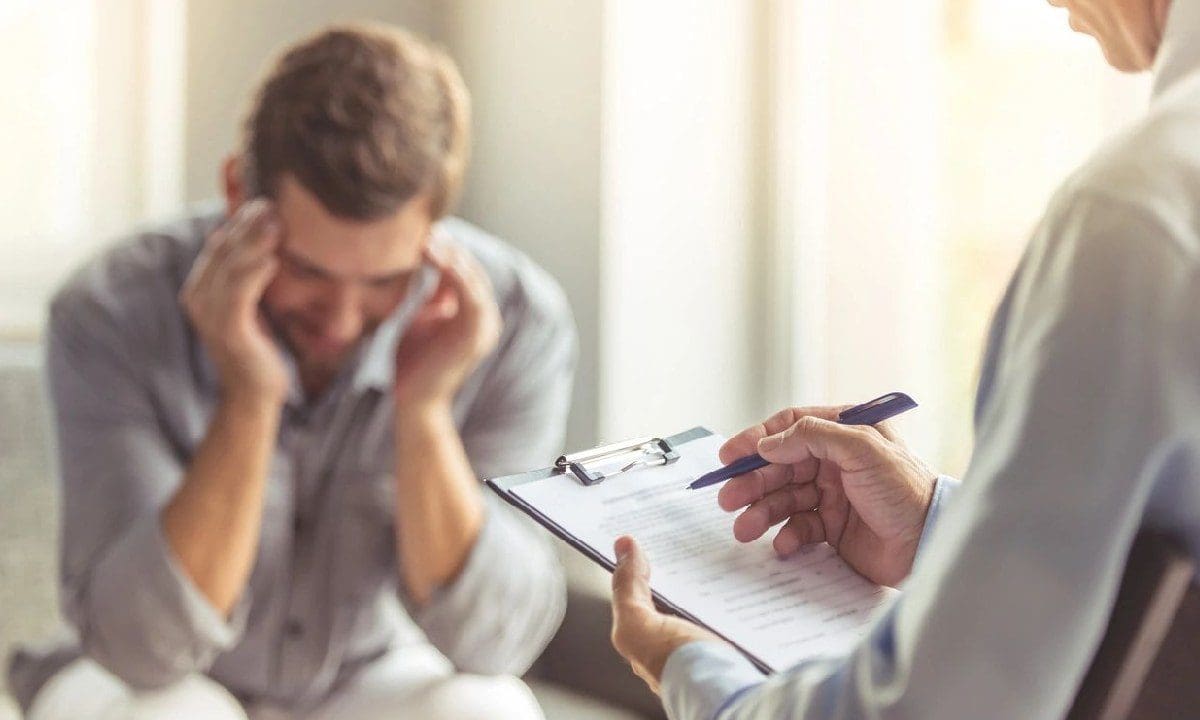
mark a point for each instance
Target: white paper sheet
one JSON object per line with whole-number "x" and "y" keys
{"x": 782, "y": 611}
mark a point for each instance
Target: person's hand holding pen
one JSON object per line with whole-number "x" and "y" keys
{"x": 828, "y": 474}
{"x": 856, "y": 487}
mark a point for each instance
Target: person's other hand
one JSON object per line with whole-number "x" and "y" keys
{"x": 455, "y": 328}
{"x": 856, "y": 487}
{"x": 640, "y": 633}
{"x": 221, "y": 297}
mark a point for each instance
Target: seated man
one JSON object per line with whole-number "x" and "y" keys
{"x": 271, "y": 420}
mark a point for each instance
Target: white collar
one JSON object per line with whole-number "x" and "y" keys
{"x": 1179, "y": 54}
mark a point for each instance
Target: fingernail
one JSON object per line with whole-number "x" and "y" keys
{"x": 621, "y": 548}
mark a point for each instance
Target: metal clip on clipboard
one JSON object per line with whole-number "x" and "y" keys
{"x": 589, "y": 466}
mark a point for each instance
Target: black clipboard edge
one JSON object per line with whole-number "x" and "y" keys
{"x": 503, "y": 487}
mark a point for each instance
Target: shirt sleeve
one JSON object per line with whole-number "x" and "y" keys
{"x": 135, "y": 610}
{"x": 1006, "y": 606}
{"x": 499, "y": 613}
{"x": 943, "y": 490}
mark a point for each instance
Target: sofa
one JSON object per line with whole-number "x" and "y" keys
{"x": 578, "y": 677}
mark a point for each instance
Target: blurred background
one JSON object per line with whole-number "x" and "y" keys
{"x": 750, "y": 204}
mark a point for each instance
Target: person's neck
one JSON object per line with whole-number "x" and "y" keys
{"x": 315, "y": 381}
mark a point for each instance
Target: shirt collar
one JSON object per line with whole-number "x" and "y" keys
{"x": 1179, "y": 53}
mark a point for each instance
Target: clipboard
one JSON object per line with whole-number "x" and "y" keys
{"x": 591, "y": 467}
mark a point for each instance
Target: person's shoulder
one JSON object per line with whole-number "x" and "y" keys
{"x": 134, "y": 282}
{"x": 524, "y": 290}
{"x": 1124, "y": 229}
{"x": 1147, "y": 175}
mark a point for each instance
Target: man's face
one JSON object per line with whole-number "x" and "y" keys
{"x": 339, "y": 279}
{"x": 1128, "y": 31}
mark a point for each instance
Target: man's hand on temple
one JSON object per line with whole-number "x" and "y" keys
{"x": 222, "y": 296}
{"x": 857, "y": 488}
{"x": 455, "y": 328}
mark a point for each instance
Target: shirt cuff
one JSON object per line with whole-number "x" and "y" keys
{"x": 502, "y": 608}
{"x": 148, "y": 621}
{"x": 944, "y": 489}
{"x": 702, "y": 678}
{"x": 447, "y": 604}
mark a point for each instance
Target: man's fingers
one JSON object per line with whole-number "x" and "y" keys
{"x": 632, "y": 603}
{"x": 812, "y": 437}
{"x": 746, "y": 442}
{"x": 247, "y": 215}
{"x": 745, "y": 489}
{"x": 250, "y": 253}
{"x": 249, "y": 289}
{"x": 246, "y": 232}
{"x": 236, "y": 247}
{"x": 236, "y": 229}
{"x": 887, "y": 429}
{"x": 474, "y": 283}
{"x": 804, "y": 528}
{"x": 463, "y": 273}
{"x": 442, "y": 304}
{"x": 774, "y": 509}
{"x": 631, "y": 578}
{"x": 202, "y": 270}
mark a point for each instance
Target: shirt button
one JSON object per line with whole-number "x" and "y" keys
{"x": 294, "y": 628}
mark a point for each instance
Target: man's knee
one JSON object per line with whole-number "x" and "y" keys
{"x": 473, "y": 697}
{"x": 193, "y": 698}
{"x": 85, "y": 691}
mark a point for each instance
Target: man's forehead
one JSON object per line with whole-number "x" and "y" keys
{"x": 339, "y": 246}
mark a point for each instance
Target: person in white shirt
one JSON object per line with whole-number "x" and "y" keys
{"x": 1088, "y": 431}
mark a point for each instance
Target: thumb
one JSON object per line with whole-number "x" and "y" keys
{"x": 812, "y": 437}
{"x": 631, "y": 578}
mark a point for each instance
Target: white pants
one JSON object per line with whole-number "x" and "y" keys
{"x": 407, "y": 684}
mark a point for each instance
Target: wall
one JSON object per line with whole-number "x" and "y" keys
{"x": 88, "y": 137}
{"x": 682, "y": 234}
{"x": 230, "y": 43}
{"x": 534, "y": 69}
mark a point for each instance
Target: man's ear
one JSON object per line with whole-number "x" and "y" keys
{"x": 233, "y": 183}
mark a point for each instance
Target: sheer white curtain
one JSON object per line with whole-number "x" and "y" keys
{"x": 915, "y": 145}
{"x": 90, "y": 132}
{"x": 855, "y": 206}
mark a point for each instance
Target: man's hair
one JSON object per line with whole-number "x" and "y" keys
{"x": 366, "y": 118}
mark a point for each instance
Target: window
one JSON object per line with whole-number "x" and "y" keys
{"x": 917, "y": 144}
{"x": 92, "y": 146}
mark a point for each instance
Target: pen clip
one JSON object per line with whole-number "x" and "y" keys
{"x": 877, "y": 410}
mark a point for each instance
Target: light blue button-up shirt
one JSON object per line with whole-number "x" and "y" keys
{"x": 134, "y": 393}
{"x": 1088, "y": 427}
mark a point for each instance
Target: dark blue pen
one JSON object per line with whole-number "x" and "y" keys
{"x": 869, "y": 413}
